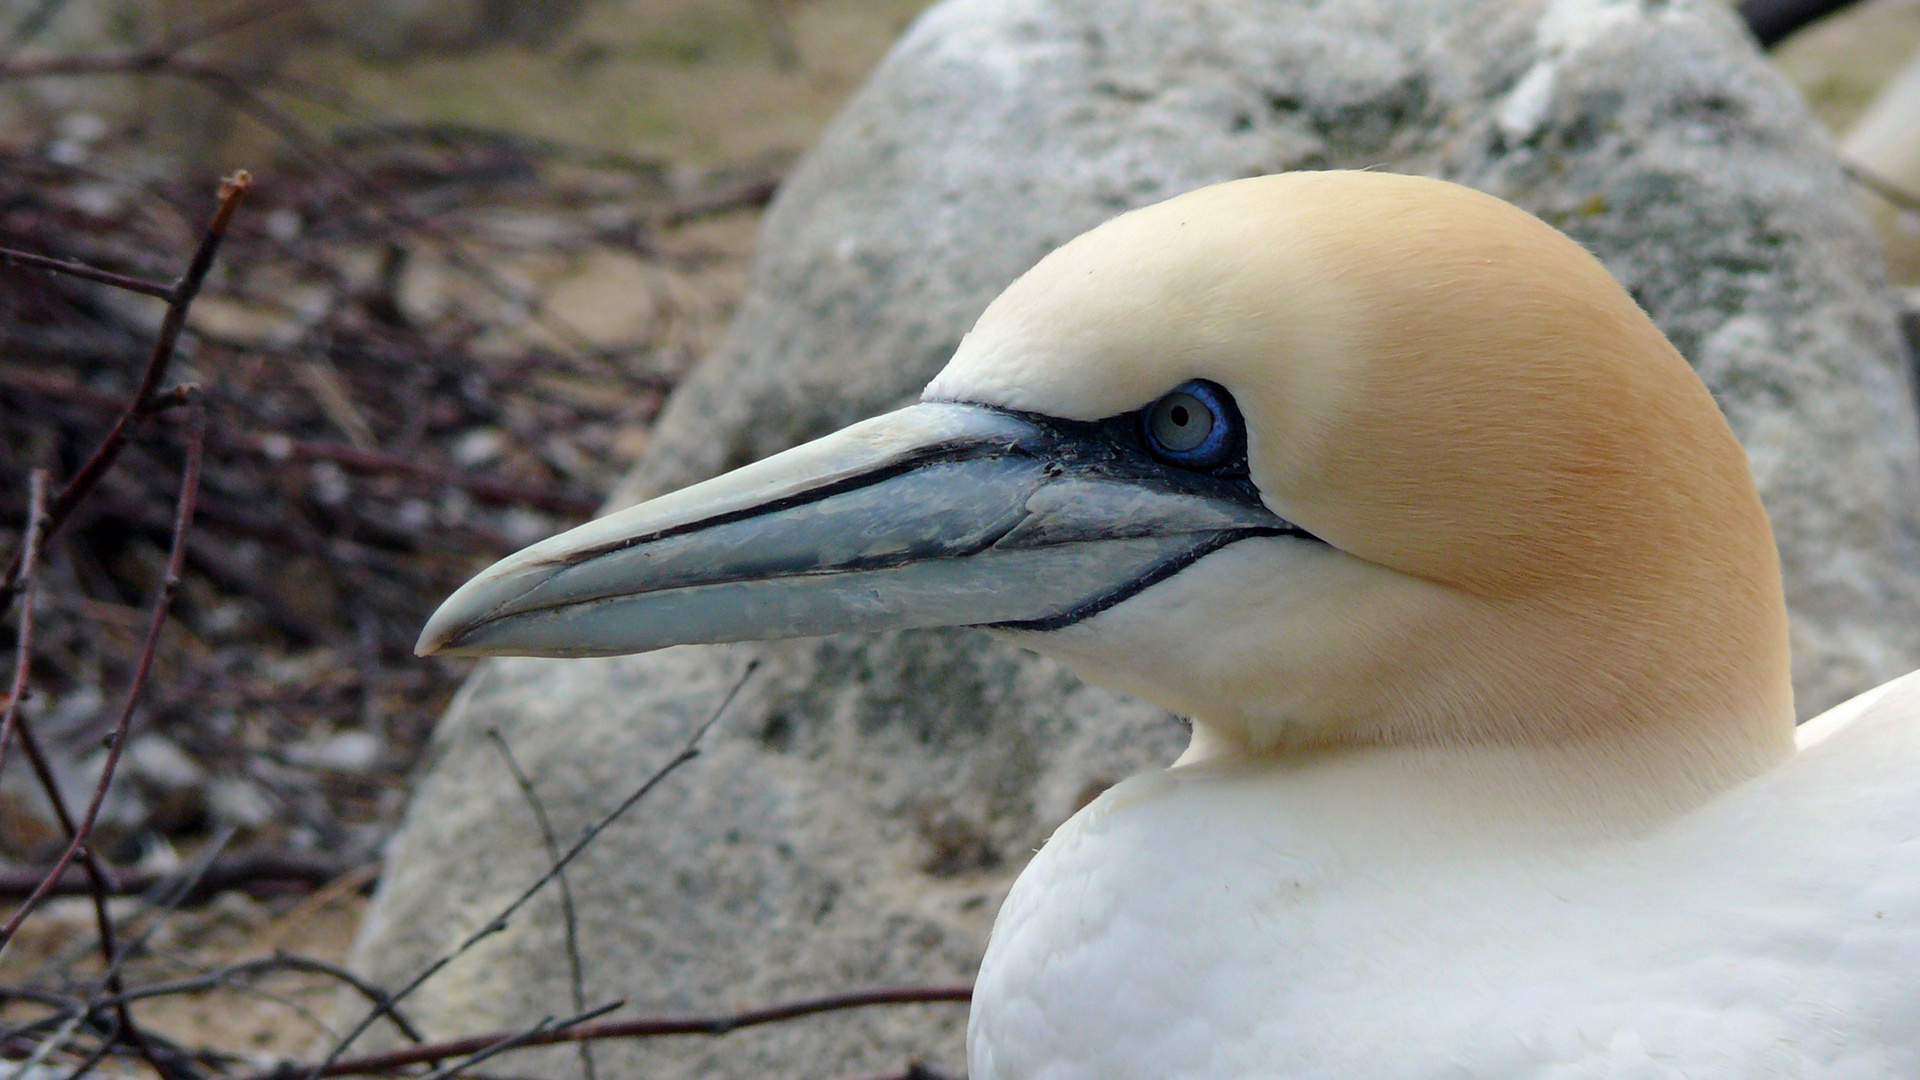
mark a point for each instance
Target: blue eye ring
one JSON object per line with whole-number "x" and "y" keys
{"x": 1194, "y": 425}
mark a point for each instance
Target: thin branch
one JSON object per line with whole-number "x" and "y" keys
{"x": 282, "y": 448}
{"x": 378, "y": 461}
{"x": 350, "y": 182}
{"x": 31, "y": 26}
{"x": 639, "y": 1028}
{"x": 111, "y": 983}
{"x": 171, "y": 897}
{"x": 170, "y": 584}
{"x": 23, "y": 640}
{"x": 99, "y": 883}
{"x": 233, "y": 86}
{"x": 376, "y": 996}
{"x": 77, "y": 847}
{"x": 1881, "y": 186}
{"x": 544, "y": 1028}
{"x": 49, "y": 1045}
{"x": 499, "y": 922}
{"x": 43, "y": 771}
{"x": 232, "y": 190}
{"x": 122, "y": 1017}
{"x": 228, "y": 974}
{"x": 749, "y": 193}
{"x": 105, "y": 1046}
{"x": 239, "y": 870}
{"x": 320, "y": 1027}
{"x": 10, "y": 256}
{"x": 576, "y": 969}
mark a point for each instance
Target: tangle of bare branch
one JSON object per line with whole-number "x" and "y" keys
{"x": 116, "y": 742}
{"x": 282, "y": 448}
{"x": 267, "y": 869}
{"x": 45, "y": 519}
{"x": 576, "y": 967}
{"x": 179, "y": 302}
{"x": 634, "y": 1028}
{"x": 80, "y": 1024}
{"x": 498, "y": 923}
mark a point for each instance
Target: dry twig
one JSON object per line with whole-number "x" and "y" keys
{"x": 90, "y": 273}
{"x": 636, "y": 1028}
{"x": 189, "y": 490}
{"x": 499, "y": 922}
{"x": 123, "y": 1024}
{"x": 451, "y": 393}
{"x": 23, "y": 641}
{"x": 282, "y": 448}
{"x": 268, "y": 870}
{"x": 243, "y": 970}
{"x": 576, "y": 968}
{"x": 45, "y": 520}
{"x": 179, "y": 301}
{"x": 544, "y": 1028}
{"x": 1893, "y": 193}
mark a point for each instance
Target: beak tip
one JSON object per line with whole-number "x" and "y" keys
{"x": 443, "y": 632}
{"x": 433, "y": 639}
{"x": 477, "y": 606}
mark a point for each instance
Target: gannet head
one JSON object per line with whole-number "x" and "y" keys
{"x": 1314, "y": 458}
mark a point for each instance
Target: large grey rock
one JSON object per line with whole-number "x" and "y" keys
{"x": 867, "y": 800}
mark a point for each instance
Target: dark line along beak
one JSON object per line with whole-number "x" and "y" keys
{"x": 938, "y": 514}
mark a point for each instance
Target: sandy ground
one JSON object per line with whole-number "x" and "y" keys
{"x": 262, "y": 1020}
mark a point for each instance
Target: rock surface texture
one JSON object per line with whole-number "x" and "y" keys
{"x": 865, "y": 802}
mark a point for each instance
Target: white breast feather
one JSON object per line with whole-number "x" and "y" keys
{"x": 1179, "y": 928}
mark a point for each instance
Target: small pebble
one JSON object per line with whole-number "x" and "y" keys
{"x": 479, "y": 446}
{"x": 160, "y": 762}
{"x": 348, "y": 752}
{"x": 239, "y": 802}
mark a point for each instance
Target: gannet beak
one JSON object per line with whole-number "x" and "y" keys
{"x": 939, "y": 514}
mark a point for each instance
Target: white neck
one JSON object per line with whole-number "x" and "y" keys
{"x": 1450, "y": 797}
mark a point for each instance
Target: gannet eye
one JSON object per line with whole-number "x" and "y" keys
{"x": 1194, "y": 425}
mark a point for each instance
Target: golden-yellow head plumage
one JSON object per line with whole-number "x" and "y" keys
{"x": 1556, "y": 530}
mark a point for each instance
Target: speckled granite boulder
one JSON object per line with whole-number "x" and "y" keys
{"x": 867, "y": 800}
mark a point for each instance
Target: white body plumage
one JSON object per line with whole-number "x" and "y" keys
{"x": 1213, "y": 923}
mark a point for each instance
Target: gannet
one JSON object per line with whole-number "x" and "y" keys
{"x": 1464, "y": 584}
